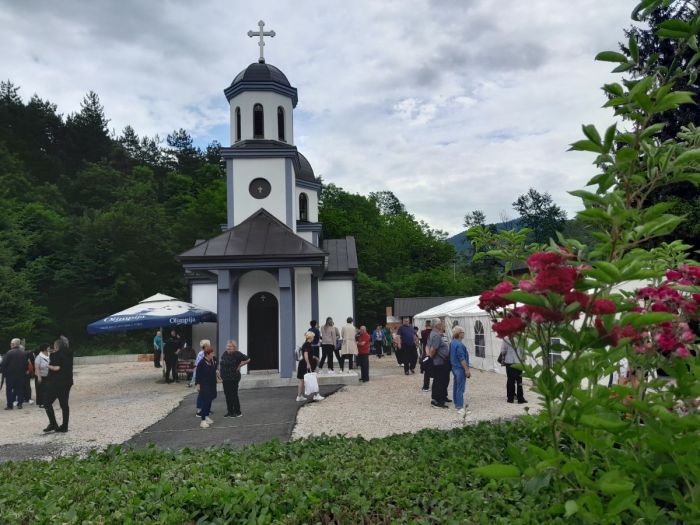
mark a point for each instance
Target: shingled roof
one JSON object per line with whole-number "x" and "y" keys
{"x": 260, "y": 236}
{"x": 342, "y": 255}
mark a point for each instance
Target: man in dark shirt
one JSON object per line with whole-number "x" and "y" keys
{"x": 170, "y": 350}
{"x": 14, "y": 370}
{"x": 408, "y": 346}
{"x": 58, "y": 384}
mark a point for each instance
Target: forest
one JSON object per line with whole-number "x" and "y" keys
{"x": 93, "y": 219}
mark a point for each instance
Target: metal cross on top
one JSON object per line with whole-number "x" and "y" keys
{"x": 261, "y": 34}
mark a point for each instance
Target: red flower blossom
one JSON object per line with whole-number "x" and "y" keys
{"x": 560, "y": 279}
{"x": 603, "y": 306}
{"x": 682, "y": 352}
{"x": 541, "y": 260}
{"x": 508, "y": 326}
{"x": 577, "y": 297}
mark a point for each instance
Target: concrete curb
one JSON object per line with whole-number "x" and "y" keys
{"x": 112, "y": 358}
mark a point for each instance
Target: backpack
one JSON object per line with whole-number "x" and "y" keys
{"x": 298, "y": 354}
{"x": 502, "y": 359}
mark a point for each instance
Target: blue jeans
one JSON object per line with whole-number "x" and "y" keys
{"x": 458, "y": 386}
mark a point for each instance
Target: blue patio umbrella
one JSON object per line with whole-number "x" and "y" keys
{"x": 157, "y": 311}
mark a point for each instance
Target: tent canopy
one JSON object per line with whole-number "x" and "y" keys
{"x": 157, "y": 311}
{"x": 448, "y": 308}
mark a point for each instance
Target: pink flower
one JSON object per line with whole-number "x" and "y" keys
{"x": 577, "y": 297}
{"x": 508, "y": 326}
{"x": 541, "y": 260}
{"x": 682, "y": 352}
{"x": 603, "y": 306}
{"x": 560, "y": 279}
{"x": 673, "y": 275}
{"x": 666, "y": 340}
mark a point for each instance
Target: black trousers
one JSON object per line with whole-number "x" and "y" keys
{"x": 427, "y": 369}
{"x": 327, "y": 352}
{"x": 410, "y": 357}
{"x": 378, "y": 348}
{"x": 515, "y": 377}
{"x": 60, "y": 392}
{"x": 27, "y": 389}
{"x": 398, "y": 352}
{"x": 40, "y": 391}
{"x": 170, "y": 365}
{"x": 14, "y": 389}
{"x": 441, "y": 380}
{"x": 363, "y": 363}
{"x": 342, "y": 361}
{"x": 156, "y": 358}
{"x": 233, "y": 404}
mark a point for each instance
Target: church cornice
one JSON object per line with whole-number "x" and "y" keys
{"x": 316, "y": 186}
{"x": 275, "y": 87}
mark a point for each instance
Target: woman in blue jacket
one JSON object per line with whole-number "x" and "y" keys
{"x": 459, "y": 359}
{"x": 206, "y": 385}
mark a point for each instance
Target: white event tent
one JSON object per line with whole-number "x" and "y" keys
{"x": 479, "y": 338}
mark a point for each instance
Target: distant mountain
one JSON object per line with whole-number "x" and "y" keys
{"x": 462, "y": 244}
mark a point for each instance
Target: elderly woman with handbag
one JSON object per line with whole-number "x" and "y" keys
{"x": 305, "y": 368}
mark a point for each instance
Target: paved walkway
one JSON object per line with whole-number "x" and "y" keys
{"x": 268, "y": 413}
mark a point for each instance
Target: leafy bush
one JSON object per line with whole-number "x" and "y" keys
{"x": 414, "y": 478}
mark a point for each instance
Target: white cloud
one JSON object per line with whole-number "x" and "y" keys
{"x": 452, "y": 105}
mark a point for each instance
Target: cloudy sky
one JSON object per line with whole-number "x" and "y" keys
{"x": 453, "y": 105}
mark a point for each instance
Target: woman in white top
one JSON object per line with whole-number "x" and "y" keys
{"x": 41, "y": 370}
{"x": 349, "y": 347}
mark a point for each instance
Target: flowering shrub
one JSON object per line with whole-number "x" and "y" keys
{"x": 627, "y": 452}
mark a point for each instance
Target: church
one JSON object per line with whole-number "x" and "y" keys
{"x": 270, "y": 271}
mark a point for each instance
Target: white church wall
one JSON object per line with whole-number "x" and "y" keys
{"x": 335, "y": 300}
{"x": 302, "y": 297}
{"x": 249, "y": 284}
{"x": 270, "y": 102}
{"x": 312, "y": 197}
{"x": 307, "y": 236}
{"x": 244, "y": 171}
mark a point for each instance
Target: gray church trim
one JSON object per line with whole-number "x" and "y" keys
{"x": 309, "y": 226}
{"x": 224, "y": 301}
{"x": 314, "y": 238}
{"x": 286, "y": 306}
{"x": 229, "y": 192}
{"x": 314, "y": 298}
{"x": 259, "y": 148}
{"x": 288, "y": 178}
{"x": 235, "y": 329}
{"x": 275, "y": 87}
{"x": 254, "y": 265}
{"x": 308, "y": 185}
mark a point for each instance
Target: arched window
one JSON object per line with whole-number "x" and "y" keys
{"x": 479, "y": 340}
{"x": 238, "y": 124}
{"x": 303, "y": 207}
{"x": 258, "y": 122}
{"x": 280, "y": 124}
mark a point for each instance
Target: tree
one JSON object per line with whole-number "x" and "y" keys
{"x": 540, "y": 215}
{"x": 474, "y": 218}
{"x": 388, "y": 203}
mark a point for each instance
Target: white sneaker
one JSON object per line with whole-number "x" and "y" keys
{"x": 460, "y": 412}
{"x": 209, "y": 420}
{"x": 31, "y": 402}
{"x": 204, "y": 424}
{"x": 331, "y": 372}
{"x": 301, "y": 398}
{"x": 319, "y": 397}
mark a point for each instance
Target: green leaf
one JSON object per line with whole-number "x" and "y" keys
{"x": 675, "y": 24}
{"x": 614, "y": 89}
{"x": 669, "y": 33}
{"x": 634, "y": 49}
{"x": 615, "y": 483}
{"x": 621, "y": 503}
{"x": 592, "y": 133}
{"x": 611, "y": 56}
{"x": 608, "y": 422}
{"x": 609, "y": 268}
{"x": 526, "y": 298}
{"x": 586, "y": 145}
{"x": 497, "y": 471}
{"x": 639, "y": 320}
{"x": 609, "y": 137}
{"x": 687, "y": 157}
{"x": 652, "y": 130}
{"x": 571, "y": 508}
{"x": 673, "y": 100}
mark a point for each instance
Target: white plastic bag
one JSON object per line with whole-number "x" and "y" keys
{"x": 310, "y": 383}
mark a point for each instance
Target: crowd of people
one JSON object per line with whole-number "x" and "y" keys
{"x": 50, "y": 368}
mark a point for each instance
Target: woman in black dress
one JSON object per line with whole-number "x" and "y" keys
{"x": 305, "y": 366}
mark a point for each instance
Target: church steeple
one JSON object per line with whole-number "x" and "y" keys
{"x": 261, "y": 43}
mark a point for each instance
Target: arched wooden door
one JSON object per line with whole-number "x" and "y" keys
{"x": 263, "y": 332}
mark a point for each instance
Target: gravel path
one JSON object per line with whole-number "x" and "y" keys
{"x": 108, "y": 403}
{"x": 392, "y": 403}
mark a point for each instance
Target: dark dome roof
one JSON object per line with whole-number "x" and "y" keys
{"x": 260, "y": 76}
{"x": 306, "y": 172}
{"x": 261, "y": 72}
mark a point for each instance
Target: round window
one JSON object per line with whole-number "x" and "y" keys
{"x": 259, "y": 188}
